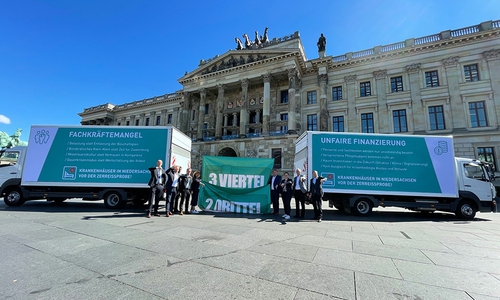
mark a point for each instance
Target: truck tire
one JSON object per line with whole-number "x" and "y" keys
{"x": 13, "y": 197}
{"x": 466, "y": 210}
{"x": 362, "y": 207}
{"x": 113, "y": 200}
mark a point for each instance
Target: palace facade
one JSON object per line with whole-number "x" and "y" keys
{"x": 256, "y": 100}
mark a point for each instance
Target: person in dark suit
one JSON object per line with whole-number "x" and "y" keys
{"x": 157, "y": 185}
{"x": 195, "y": 190}
{"x": 286, "y": 194}
{"x": 274, "y": 183}
{"x": 299, "y": 192}
{"x": 185, "y": 183}
{"x": 171, "y": 187}
{"x": 316, "y": 194}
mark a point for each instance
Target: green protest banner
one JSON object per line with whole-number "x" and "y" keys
{"x": 235, "y": 184}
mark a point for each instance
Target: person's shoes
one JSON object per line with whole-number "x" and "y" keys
{"x": 170, "y": 213}
{"x": 157, "y": 214}
{"x": 181, "y": 213}
{"x": 148, "y": 216}
{"x": 187, "y": 212}
{"x": 284, "y": 215}
{"x": 194, "y": 211}
{"x": 167, "y": 215}
{"x": 319, "y": 220}
{"x": 287, "y": 217}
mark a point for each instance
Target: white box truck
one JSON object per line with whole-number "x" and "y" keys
{"x": 89, "y": 162}
{"x": 419, "y": 173}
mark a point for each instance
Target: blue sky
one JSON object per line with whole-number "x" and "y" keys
{"x": 58, "y": 57}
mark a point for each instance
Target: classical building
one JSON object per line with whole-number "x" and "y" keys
{"x": 256, "y": 100}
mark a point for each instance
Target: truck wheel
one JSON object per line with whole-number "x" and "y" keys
{"x": 113, "y": 200}
{"x": 466, "y": 210}
{"x": 13, "y": 197}
{"x": 362, "y": 207}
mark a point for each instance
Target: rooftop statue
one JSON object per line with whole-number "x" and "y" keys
{"x": 321, "y": 43}
{"x": 265, "y": 39}
{"x": 14, "y": 140}
{"x": 239, "y": 44}
{"x": 248, "y": 43}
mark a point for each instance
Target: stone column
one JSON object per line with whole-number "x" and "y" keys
{"x": 453, "y": 75}
{"x": 225, "y": 118}
{"x": 201, "y": 115}
{"x": 413, "y": 71}
{"x": 298, "y": 106}
{"x": 492, "y": 58}
{"x": 176, "y": 120}
{"x": 142, "y": 119}
{"x": 184, "y": 114}
{"x": 353, "y": 119}
{"x": 383, "y": 125}
{"x": 163, "y": 116}
{"x": 267, "y": 104}
{"x": 243, "y": 109}
{"x": 323, "y": 109}
{"x": 291, "y": 101}
{"x": 218, "y": 111}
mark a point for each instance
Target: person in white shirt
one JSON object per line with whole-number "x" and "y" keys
{"x": 299, "y": 192}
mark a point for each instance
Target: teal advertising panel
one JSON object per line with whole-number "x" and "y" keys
{"x": 385, "y": 163}
{"x": 94, "y": 155}
{"x": 235, "y": 184}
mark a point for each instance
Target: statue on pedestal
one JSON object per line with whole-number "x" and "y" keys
{"x": 321, "y": 43}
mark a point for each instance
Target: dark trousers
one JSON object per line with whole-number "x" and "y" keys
{"x": 287, "y": 197}
{"x": 300, "y": 201}
{"x": 185, "y": 195}
{"x": 194, "y": 197}
{"x": 168, "y": 200}
{"x": 174, "y": 201}
{"x": 156, "y": 195}
{"x": 275, "y": 200}
{"x": 317, "y": 205}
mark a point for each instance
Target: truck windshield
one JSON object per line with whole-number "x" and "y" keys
{"x": 8, "y": 158}
{"x": 476, "y": 172}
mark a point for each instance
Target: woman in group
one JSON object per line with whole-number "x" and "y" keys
{"x": 286, "y": 194}
{"x": 195, "y": 191}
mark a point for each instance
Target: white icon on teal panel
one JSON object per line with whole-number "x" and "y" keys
{"x": 330, "y": 178}
{"x": 42, "y": 136}
{"x": 69, "y": 173}
{"x": 441, "y": 148}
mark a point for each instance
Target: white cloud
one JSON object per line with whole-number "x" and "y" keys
{"x": 4, "y": 119}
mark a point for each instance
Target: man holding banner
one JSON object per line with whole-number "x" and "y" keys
{"x": 275, "y": 184}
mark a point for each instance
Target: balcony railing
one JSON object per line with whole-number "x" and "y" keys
{"x": 277, "y": 132}
{"x": 208, "y": 138}
{"x": 229, "y": 137}
{"x": 254, "y": 134}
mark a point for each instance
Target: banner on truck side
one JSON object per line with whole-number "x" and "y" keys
{"x": 97, "y": 155}
{"x": 385, "y": 163}
{"x": 235, "y": 184}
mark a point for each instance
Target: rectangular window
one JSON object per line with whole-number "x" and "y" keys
{"x": 487, "y": 154}
{"x": 158, "y": 120}
{"x": 436, "y": 117}
{"x": 284, "y": 97}
{"x": 128, "y": 123}
{"x": 253, "y": 117}
{"x": 399, "y": 120}
{"x": 338, "y": 124}
{"x": 136, "y": 122}
{"x": 284, "y": 117}
{"x": 367, "y": 123}
{"x": 365, "y": 89}
{"x": 312, "y": 122}
{"x": 207, "y": 107}
{"x": 396, "y": 84}
{"x": 311, "y": 97}
{"x": 276, "y": 154}
{"x": 477, "y": 114}
{"x": 147, "y": 121}
{"x": 337, "y": 93}
{"x": 169, "y": 119}
{"x": 471, "y": 73}
{"x": 193, "y": 115}
{"x": 431, "y": 79}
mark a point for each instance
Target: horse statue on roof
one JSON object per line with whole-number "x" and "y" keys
{"x": 248, "y": 43}
{"x": 238, "y": 43}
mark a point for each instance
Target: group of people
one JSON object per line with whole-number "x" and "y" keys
{"x": 178, "y": 190}
{"x": 297, "y": 187}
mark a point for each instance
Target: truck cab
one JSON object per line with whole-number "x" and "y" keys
{"x": 11, "y": 166}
